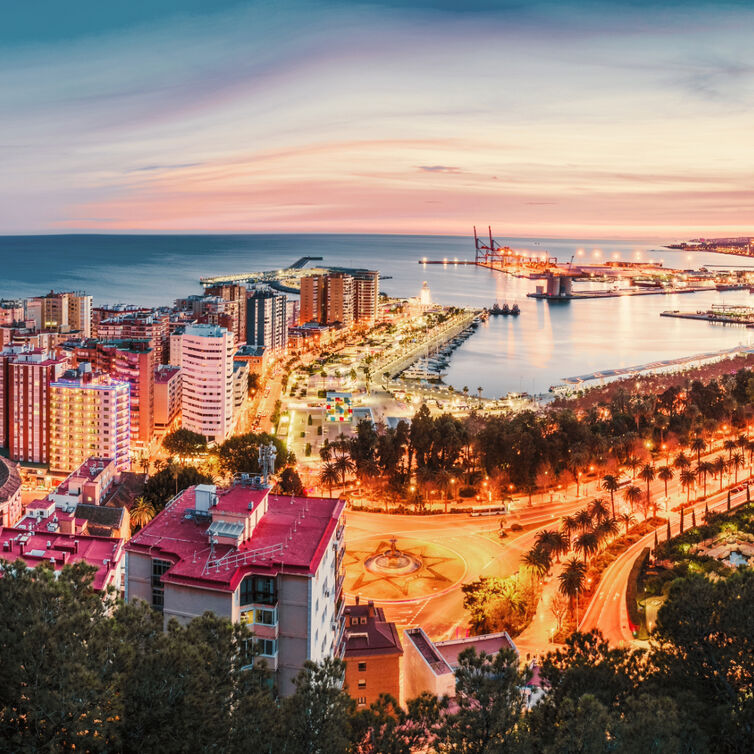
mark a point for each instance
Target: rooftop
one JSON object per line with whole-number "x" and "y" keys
{"x": 205, "y": 331}
{"x": 292, "y": 534}
{"x": 489, "y": 643}
{"x": 10, "y": 480}
{"x": 59, "y": 550}
{"x": 165, "y": 373}
{"x": 426, "y": 648}
{"x": 368, "y": 633}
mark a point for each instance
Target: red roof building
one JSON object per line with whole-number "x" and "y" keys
{"x": 272, "y": 562}
{"x": 373, "y": 654}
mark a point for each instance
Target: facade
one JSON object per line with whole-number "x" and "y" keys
{"x": 25, "y": 378}
{"x": 372, "y": 655}
{"x": 267, "y": 320}
{"x": 236, "y": 293}
{"x": 89, "y": 416}
{"x": 167, "y": 395}
{"x": 206, "y": 353}
{"x": 127, "y": 360}
{"x": 10, "y": 493}
{"x": 61, "y": 312}
{"x": 240, "y": 385}
{"x": 90, "y": 483}
{"x": 342, "y": 297}
{"x": 275, "y": 563}
{"x": 138, "y": 325}
{"x": 257, "y": 357}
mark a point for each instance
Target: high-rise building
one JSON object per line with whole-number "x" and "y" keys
{"x": 89, "y": 416}
{"x": 25, "y": 377}
{"x": 266, "y": 320}
{"x": 206, "y": 361}
{"x": 167, "y": 395}
{"x": 339, "y": 299}
{"x": 63, "y": 312}
{"x": 151, "y": 326}
{"x": 127, "y": 360}
{"x": 274, "y": 563}
{"x": 366, "y": 288}
{"x": 236, "y": 293}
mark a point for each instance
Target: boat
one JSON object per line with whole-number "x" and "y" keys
{"x": 505, "y": 310}
{"x": 730, "y": 286}
{"x": 515, "y": 311}
{"x": 495, "y": 310}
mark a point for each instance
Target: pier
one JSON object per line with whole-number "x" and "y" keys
{"x": 720, "y": 314}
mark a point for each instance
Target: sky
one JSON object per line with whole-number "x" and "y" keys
{"x": 589, "y": 119}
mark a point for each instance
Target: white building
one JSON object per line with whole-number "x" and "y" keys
{"x": 206, "y": 361}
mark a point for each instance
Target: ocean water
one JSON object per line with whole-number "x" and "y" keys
{"x": 547, "y": 342}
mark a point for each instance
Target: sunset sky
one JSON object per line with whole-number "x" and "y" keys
{"x": 541, "y": 118}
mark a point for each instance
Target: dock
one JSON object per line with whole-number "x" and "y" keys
{"x": 580, "y": 295}
{"x": 724, "y": 315}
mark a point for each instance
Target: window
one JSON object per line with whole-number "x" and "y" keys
{"x": 260, "y": 590}
{"x": 159, "y": 567}
{"x": 362, "y": 683}
{"x": 362, "y": 667}
{"x": 362, "y": 701}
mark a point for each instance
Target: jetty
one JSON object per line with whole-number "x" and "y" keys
{"x": 719, "y": 313}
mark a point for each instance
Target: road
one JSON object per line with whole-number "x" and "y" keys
{"x": 607, "y": 609}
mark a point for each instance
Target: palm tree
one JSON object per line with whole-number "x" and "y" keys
{"x": 587, "y": 543}
{"x": 633, "y": 463}
{"x": 704, "y": 468}
{"x": 736, "y": 461}
{"x": 553, "y": 542}
{"x": 628, "y": 519}
{"x": 584, "y": 519}
{"x": 329, "y": 475}
{"x": 698, "y": 445}
{"x": 688, "y": 478}
{"x": 598, "y": 510}
{"x": 606, "y": 529}
{"x": 326, "y": 451}
{"x": 538, "y": 560}
{"x": 647, "y": 473}
{"x": 572, "y": 582}
{"x": 569, "y": 526}
{"x": 730, "y": 446}
{"x": 610, "y": 484}
{"x": 632, "y": 495}
{"x": 142, "y": 512}
{"x": 665, "y": 473}
{"x": 343, "y": 464}
{"x": 681, "y": 461}
{"x": 720, "y": 466}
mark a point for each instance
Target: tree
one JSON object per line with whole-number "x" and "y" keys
{"x": 632, "y": 495}
{"x": 329, "y": 476}
{"x": 317, "y": 717}
{"x": 587, "y": 543}
{"x": 169, "y": 481}
{"x": 553, "y": 542}
{"x": 490, "y": 703}
{"x": 559, "y": 608}
{"x": 647, "y": 473}
{"x": 184, "y": 443}
{"x": 610, "y": 484}
{"x": 597, "y": 510}
{"x": 720, "y": 466}
{"x": 665, "y": 474}
{"x": 628, "y": 520}
{"x": 681, "y": 461}
{"x": 633, "y": 463}
{"x": 240, "y": 454}
{"x": 290, "y": 482}
{"x": 736, "y": 461}
{"x": 688, "y": 478}
{"x": 698, "y": 444}
{"x": 141, "y": 513}
{"x": 571, "y": 581}
{"x": 538, "y": 560}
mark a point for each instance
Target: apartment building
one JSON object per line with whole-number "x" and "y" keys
{"x": 167, "y": 395}
{"x": 206, "y": 361}
{"x": 266, "y": 320}
{"x": 274, "y": 563}
{"x": 62, "y": 312}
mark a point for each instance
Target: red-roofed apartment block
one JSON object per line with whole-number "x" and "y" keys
{"x": 373, "y": 654}
{"x": 275, "y": 563}
{"x": 88, "y": 484}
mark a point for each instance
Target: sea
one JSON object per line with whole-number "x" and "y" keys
{"x": 548, "y": 342}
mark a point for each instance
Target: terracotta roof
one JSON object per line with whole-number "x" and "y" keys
{"x": 10, "y": 480}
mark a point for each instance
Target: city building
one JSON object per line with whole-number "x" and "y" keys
{"x": 206, "y": 361}
{"x": 257, "y": 357}
{"x": 267, "y": 320}
{"x": 10, "y": 493}
{"x": 167, "y": 395}
{"x": 42, "y": 541}
{"x": 240, "y": 385}
{"x": 237, "y": 294}
{"x": 272, "y": 562}
{"x": 77, "y": 518}
{"x": 89, "y": 417}
{"x": 339, "y": 297}
{"x": 152, "y": 326}
{"x": 430, "y": 666}
{"x": 128, "y": 360}
{"x": 25, "y": 378}
{"x": 11, "y": 313}
{"x": 90, "y": 483}
{"x": 372, "y": 655}
{"x": 62, "y": 312}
